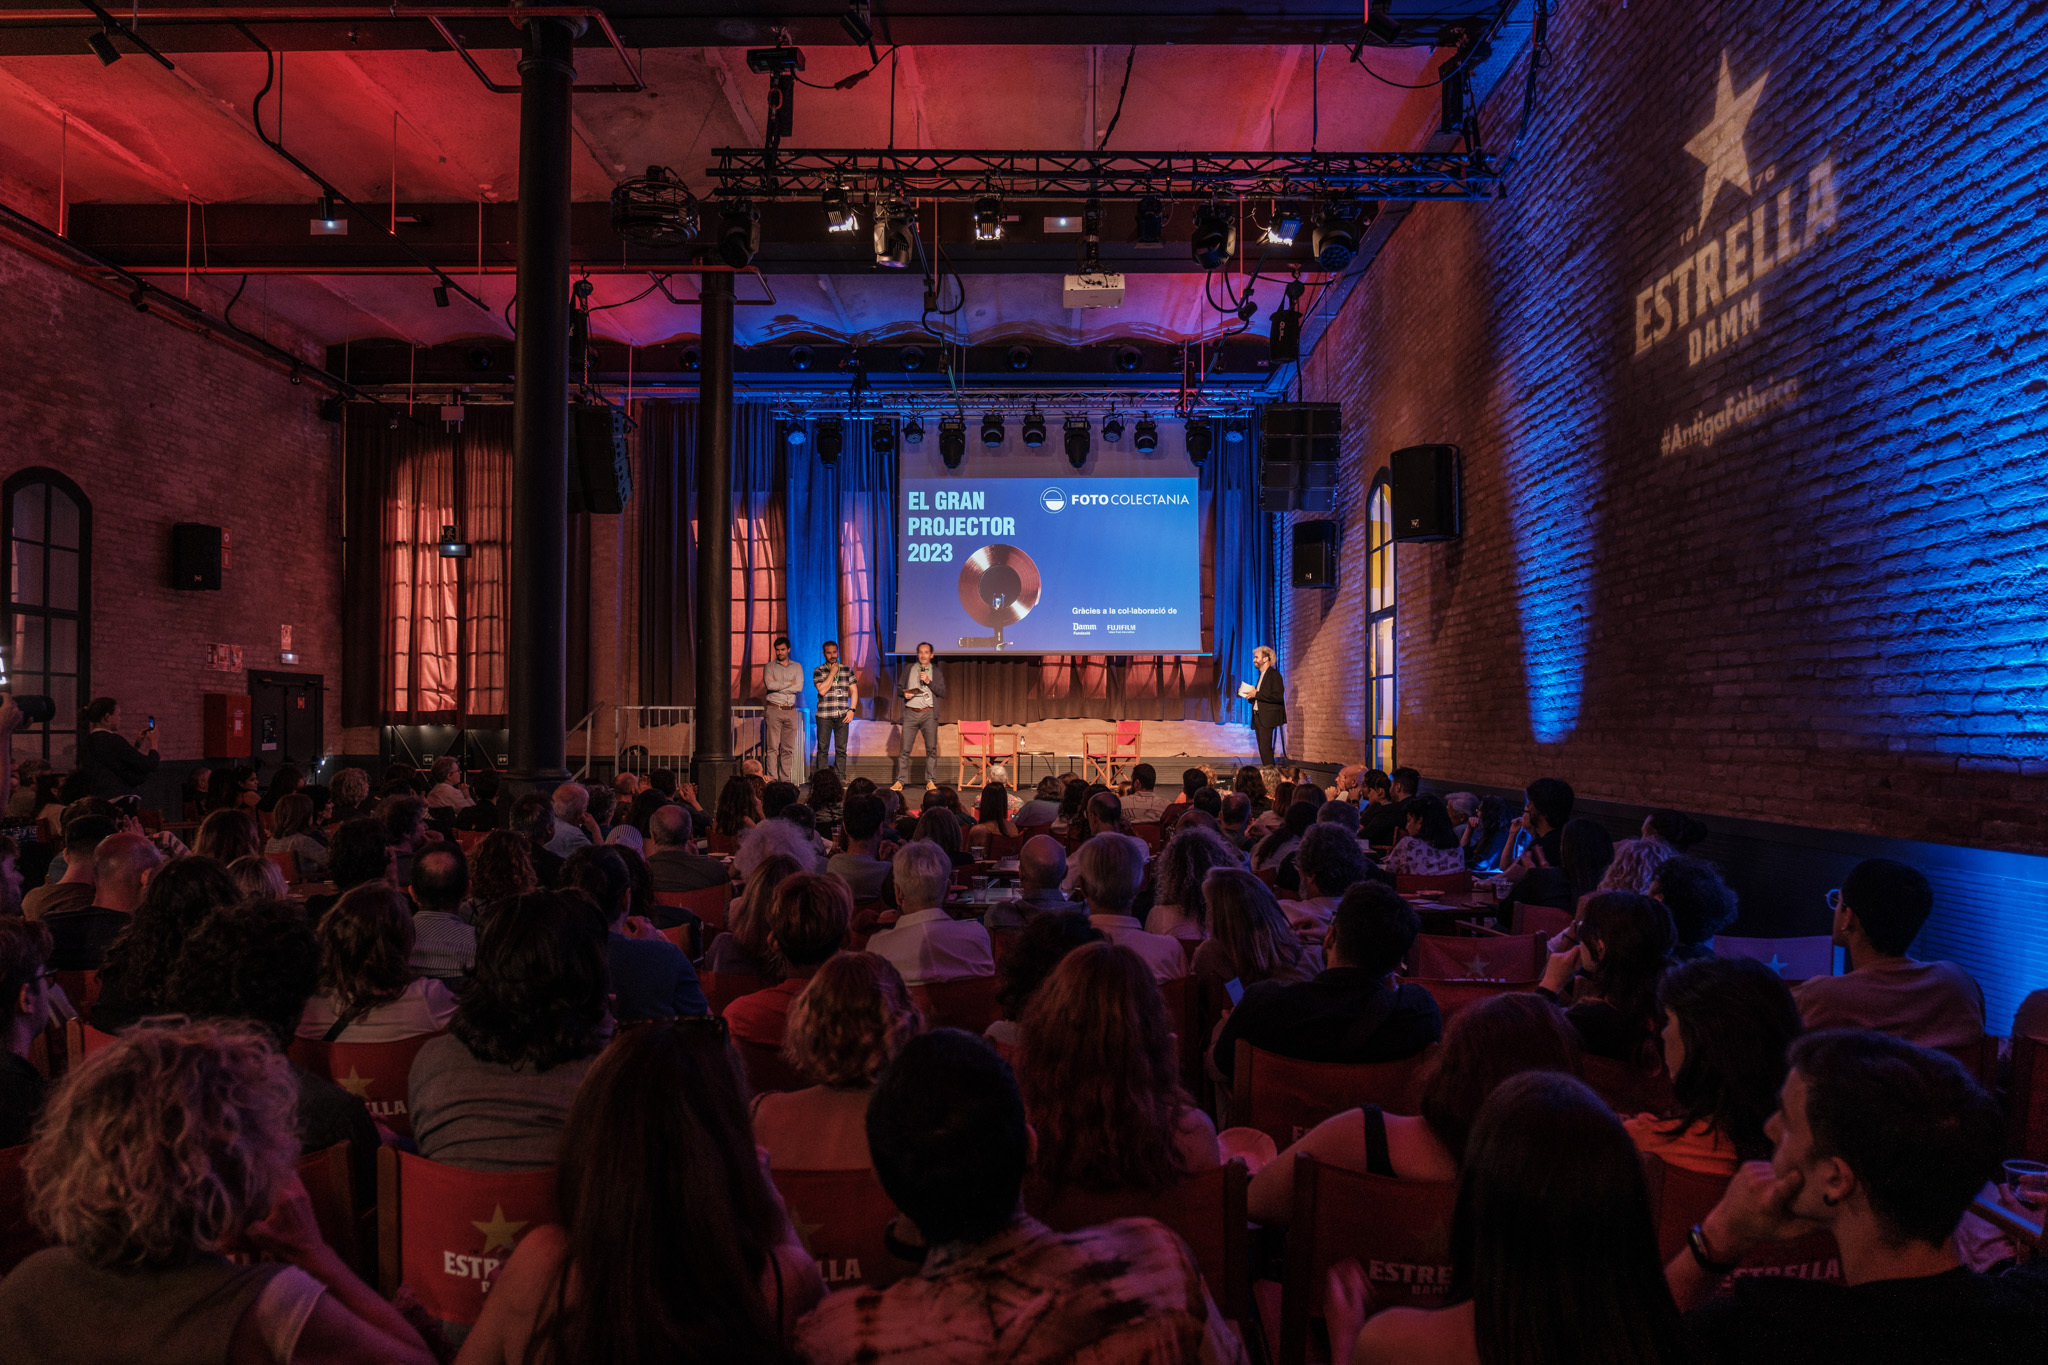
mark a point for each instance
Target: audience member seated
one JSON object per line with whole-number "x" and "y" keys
{"x": 121, "y": 867}
{"x": 1608, "y": 977}
{"x": 164, "y": 1155}
{"x": 1584, "y": 852}
{"x": 444, "y": 943}
{"x": 494, "y": 1092}
{"x": 1043, "y": 807}
{"x": 806, "y": 923}
{"x": 227, "y": 835}
{"x": 1041, "y": 869}
{"x": 669, "y": 859}
{"x": 651, "y": 978}
{"x": 991, "y": 817}
{"x": 1381, "y": 817}
{"x": 1431, "y": 848}
{"x": 1284, "y": 838}
{"x": 501, "y": 871}
{"x": 74, "y": 889}
{"x": 925, "y": 943}
{"x": 743, "y": 949}
{"x": 258, "y": 879}
{"x": 1329, "y": 862}
{"x": 1252, "y": 783}
{"x": 672, "y": 1243}
{"x": 1190, "y": 855}
{"x": 858, "y": 862}
{"x": 1143, "y": 804}
{"x": 405, "y": 829}
{"x": 1878, "y": 913}
{"x": 1340, "y": 814}
{"x": 291, "y": 831}
{"x": 481, "y": 814}
{"x": 138, "y": 963}
{"x": 1546, "y": 808}
{"x": 937, "y": 825}
{"x": 1107, "y": 872}
{"x": 1354, "y": 1010}
{"x": 21, "y": 801}
{"x": 1236, "y": 816}
{"x": 774, "y": 836}
{"x": 369, "y": 992}
{"x": 1727, "y": 1026}
{"x": 1249, "y": 941}
{"x": 1405, "y": 784}
{"x": 1486, "y": 847}
{"x": 1485, "y": 1045}
{"x": 351, "y": 794}
{"x": 738, "y": 810}
{"x": 1553, "y": 1249}
{"x": 1635, "y": 866}
{"x": 1193, "y": 782}
{"x": 259, "y": 962}
{"x": 1701, "y": 904}
{"x": 1039, "y": 948}
{"x": 26, "y": 982}
{"x": 10, "y": 877}
{"x": 1100, "y": 1074}
{"x": 843, "y": 1028}
{"x": 1072, "y": 818}
{"x": 283, "y": 783}
{"x": 571, "y": 808}
{"x": 1882, "y": 1144}
{"x": 951, "y": 1146}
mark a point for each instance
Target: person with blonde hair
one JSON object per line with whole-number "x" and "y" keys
{"x": 352, "y": 794}
{"x": 259, "y": 879}
{"x": 158, "y": 1157}
{"x": 855, "y": 1015}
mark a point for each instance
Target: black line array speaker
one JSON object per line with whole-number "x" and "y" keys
{"x": 600, "y": 471}
{"x": 195, "y": 557}
{"x": 1298, "y": 461}
{"x": 1315, "y": 554}
{"x": 1425, "y": 480}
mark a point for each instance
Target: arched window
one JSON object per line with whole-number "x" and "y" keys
{"x": 1379, "y": 552}
{"x": 49, "y": 602}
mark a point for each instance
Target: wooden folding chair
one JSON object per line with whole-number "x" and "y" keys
{"x": 332, "y": 1190}
{"x": 707, "y": 903}
{"x": 1795, "y": 959}
{"x": 81, "y": 986}
{"x": 1207, "y": 1210}
{"x": 1105, "y": 754}
{"x": 468, "y": 840}
{"x": 81, "y": 1040}
{"x": 1629, "y": 1089}
{"x": 843, "y": 1219}
{"x": 981, "y": 745}
{"x": 1398, "y": 1230}
{"x": 1490, "y": 957}
{"x": 768, "y": 1070}
{"x": 968, "y": 1002}
{"x": 1980, "y": 1059}
{"x": 2026, "y": 1106}
{"x": 1454, "y": 996}
{"x": 1153, "y": 833}
{"x": 722, "y": 988}
{"x": 444, "y": 1232}
{"x": 1448, "y": 883}
{"x": 19, "y": 1238}
{"x": 714, "y": 842}
{"x": 1284, "y": 1098}
{"x": 1547, "y": 920}
{"x": 377, "y": 1073}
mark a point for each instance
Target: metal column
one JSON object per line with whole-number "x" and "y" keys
{"x": 711, "y": 760}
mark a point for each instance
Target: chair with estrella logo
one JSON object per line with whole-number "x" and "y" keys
{"x": 377, "y": 1073}
{"x": 843, "y": 1218}
{"x": 446, "y": 1233}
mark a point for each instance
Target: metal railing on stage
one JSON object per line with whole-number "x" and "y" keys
{"x": 645, "y": 738}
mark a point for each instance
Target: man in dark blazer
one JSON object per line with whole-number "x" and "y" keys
{"x": 920, "y": 683}
{"x": 1269, "y": 701}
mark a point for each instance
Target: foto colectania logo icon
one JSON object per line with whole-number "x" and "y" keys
{"x": 1053, "y": 499}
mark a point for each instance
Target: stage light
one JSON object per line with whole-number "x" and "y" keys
{"x": 831, "y": 439}
{"x": 296, "y": 377}
{"x": 1112, "y": 428}
{"x": 988, "y": 221}
{"x": 1019, "y": 357}
{"x": 882, "y": 436}
{"x": 691, "y": 359}
{"x": 911, "y": 358}
{"x": 1034, "y": 431}
{"x": 102, "y": 45}
{"x": 1076, "y": 432}
{"x": 440, "y": 296}
{"x": 1215, "y": 239}
{"x": 1200, "y": 439}
{"x": 451, "y": 544}
{"x": 794, "y": 433}
{"x": 952, "y": 440}
{"x": 991, "y": 429}
{"x": 800, "y": 357}
{"x": 1233, "y": 434}
{"x": 655, "y": 209}
{"x": 840, "y": 215}
{"x": 1284, "y": 341}
{"x": 1145, "y": 436}
{"x": 1336, "y": 239}
{"x": 913, "y": 431}
{"x": 1286, "y": 226}
{"x": 1129, "y": 358}
{"x": 858, "y": 23}
{"x": 327, "y": 219}
{"x": 739, "y": 235}
{"x": 1151, "y": 221}
{"x": 138, "y": 299}
{"x": 893, "y": 242}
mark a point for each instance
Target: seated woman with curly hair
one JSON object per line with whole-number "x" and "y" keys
{"x": 159, "y": 1157}
{"x": 368, "y": 990}
{"x": 493, "y": 1094}
{"x": 844, "y": 1028}
{"x": 501, "y": 869}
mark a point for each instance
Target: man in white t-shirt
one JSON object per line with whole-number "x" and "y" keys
{"x": 1142, "y": 804}
{"x": 1108, "y": 870}
{"x": 925, "y": 943}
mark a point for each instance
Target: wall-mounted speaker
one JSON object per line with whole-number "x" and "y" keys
{"x": 600, "y": 470}
{"x": 1425, "y": 480}
{"x": 195, "y": 557}
{"x": 1298, "y": 457}
{"x": 1315, "y": 554}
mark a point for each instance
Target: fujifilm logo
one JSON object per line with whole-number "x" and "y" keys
{"x": 1053, "y": 499}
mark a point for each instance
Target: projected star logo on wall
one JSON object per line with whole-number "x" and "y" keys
{"x": 1053, "y": 499}
{"x": 1719, "y": 145}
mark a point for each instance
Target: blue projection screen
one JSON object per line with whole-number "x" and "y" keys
{"x": 1039, "y": 565}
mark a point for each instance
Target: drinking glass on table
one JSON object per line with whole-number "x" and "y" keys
{"x": 2026, "y": 1185}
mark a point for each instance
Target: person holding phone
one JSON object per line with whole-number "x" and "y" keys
{"x": 112, "y": 766}
{"x": 920, "y": 684}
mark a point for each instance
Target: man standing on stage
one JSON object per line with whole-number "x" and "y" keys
{"x": 782, "y": 737}
{"x": 837, "y": 698}
{"x": 920, "y": 685}
{"x": 1268, "y": 697}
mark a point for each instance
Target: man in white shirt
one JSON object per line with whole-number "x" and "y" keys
{"x": 926, "y": 944}
{"x": 572, "y": 804}
{"x": 782, "y": 733}
{"x": 1143, "y": 805}
{"x": 1108, "y": 870}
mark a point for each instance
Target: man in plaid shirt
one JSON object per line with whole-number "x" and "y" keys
{"x": 837, "y": 697}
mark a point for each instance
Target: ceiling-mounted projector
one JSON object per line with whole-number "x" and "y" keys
{"x": 1101, "y": 290}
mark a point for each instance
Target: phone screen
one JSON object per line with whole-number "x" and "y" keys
{"x": 1235, "y": 988}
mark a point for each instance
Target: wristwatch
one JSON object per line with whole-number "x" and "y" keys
{"x": 1696, "y": 1241}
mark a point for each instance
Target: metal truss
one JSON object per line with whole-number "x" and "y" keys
{"x": 931, "y": 404}
{"x": 749, "y": 173}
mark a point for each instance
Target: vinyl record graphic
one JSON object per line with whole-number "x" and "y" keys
{"x": 999, "y": 585}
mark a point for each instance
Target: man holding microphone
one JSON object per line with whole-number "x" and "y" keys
{"x": 920, "y": 684}
{"x": 838, "y": 696}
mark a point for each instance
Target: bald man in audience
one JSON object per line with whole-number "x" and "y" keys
{"x": 122, "y": 865}
{"x": 1106, "y": 814}
{"x": 669, "y": 860}
{"x": 1041, "y": 867}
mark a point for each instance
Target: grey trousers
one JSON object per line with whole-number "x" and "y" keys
{"x": 782, "y": 743}
{"x": 915, "y": 723}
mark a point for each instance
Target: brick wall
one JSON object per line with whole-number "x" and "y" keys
{"x": 159, "y": 426}
{"x": 1752, "y": 494}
